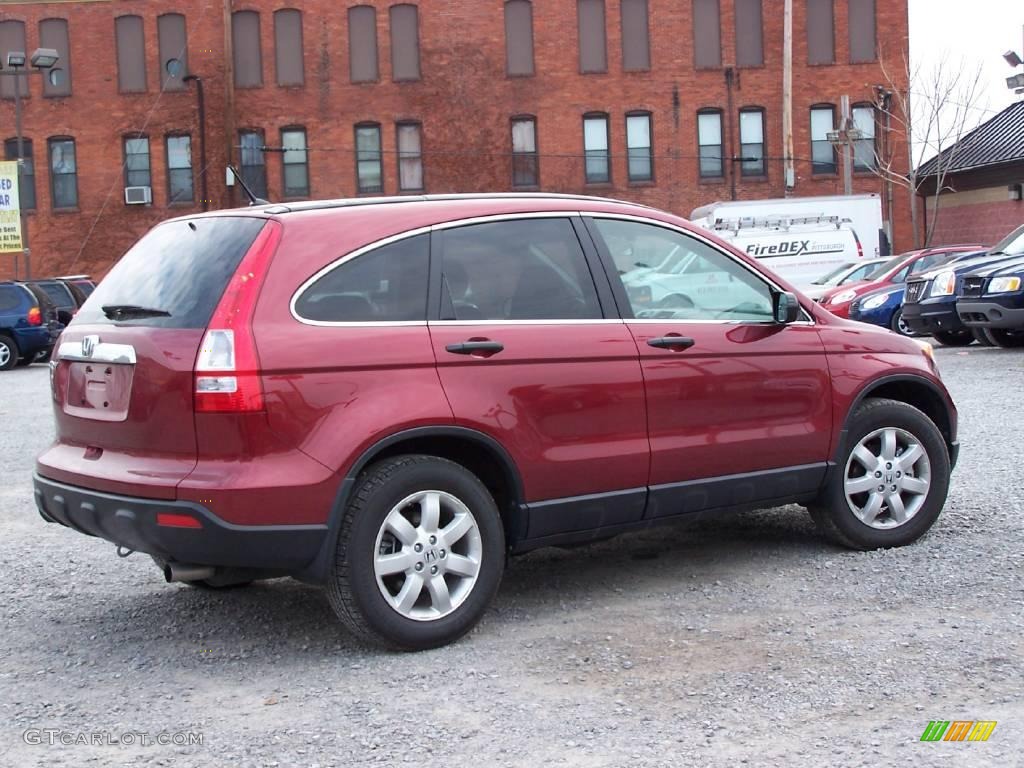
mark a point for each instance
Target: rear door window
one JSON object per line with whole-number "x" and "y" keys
{"x": 386, "y": 284}
{"x": 525, "y": 269}
{"x": 180, "y": 267}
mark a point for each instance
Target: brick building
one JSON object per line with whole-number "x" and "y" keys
{"x": 674, "y": 103}
{"x": 981, "y": 195}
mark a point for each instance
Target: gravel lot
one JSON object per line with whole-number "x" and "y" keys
{"x": 749, "y": 641}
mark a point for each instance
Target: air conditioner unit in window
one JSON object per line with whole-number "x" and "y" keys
{"x": 138, "y": 195}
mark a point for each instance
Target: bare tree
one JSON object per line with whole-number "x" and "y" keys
{"x": 931, "y": 110}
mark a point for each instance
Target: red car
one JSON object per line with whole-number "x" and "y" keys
{"x": 896, "y": 270}
{"x": 388, "y": 397}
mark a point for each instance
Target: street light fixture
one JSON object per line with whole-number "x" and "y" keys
{"x": 42, "y": 59}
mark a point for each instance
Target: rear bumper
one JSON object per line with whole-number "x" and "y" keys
{"x": 33, "y": 340}
{"x": 131, "y": 522}
{"x": 990, "y": 314}
{"x": 937, "y": 318}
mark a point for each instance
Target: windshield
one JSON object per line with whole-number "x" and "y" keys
{"x": 884, "y": 267}
{"x": 1012, "y": 244}
{"x": 833, "y": 277}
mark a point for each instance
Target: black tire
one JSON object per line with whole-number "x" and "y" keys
{"x": 8, "y": 352}
{"x": 1006, "y": 339}
{"x": 954, "y": 338}
{"x": 832, "y": 512}
{"x": 24, "y": 362}
{"x": 899, "y": 326}
{"x": 981, "y": 335}
{"x": 352, "y": 587}
{"x": 44, "y": 357}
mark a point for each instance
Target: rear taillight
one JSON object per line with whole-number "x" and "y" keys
{"x": 227, "y": 371}
{"x": 860, "y": 248}
{"x": 35, "y": 316}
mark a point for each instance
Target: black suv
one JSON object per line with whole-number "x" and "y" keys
{"x": 67, "y": 296}
{"x": 991, "y": 299}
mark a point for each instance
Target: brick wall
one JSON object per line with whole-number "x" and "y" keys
{"x": 463, "y": 100}
{"x": 976, "y": 216}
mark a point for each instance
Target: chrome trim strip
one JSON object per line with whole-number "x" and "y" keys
{"x": 104, "y": 352}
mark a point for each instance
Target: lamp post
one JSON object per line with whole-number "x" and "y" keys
{"x": 42, "y": 59}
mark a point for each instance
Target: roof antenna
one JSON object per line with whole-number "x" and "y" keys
{"x": 253, "y": 200}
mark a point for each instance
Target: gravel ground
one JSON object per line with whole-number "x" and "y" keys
{"x": 748, "y": 641}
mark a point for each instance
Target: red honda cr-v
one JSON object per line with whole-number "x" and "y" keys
{"x": 387, "y": 397}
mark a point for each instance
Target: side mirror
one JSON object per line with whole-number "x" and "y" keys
{"x": 786, "y": 307}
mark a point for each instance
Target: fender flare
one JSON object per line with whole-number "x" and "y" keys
{"x": 319, "y": 569}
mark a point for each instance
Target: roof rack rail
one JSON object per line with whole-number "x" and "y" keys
{"x": 776, "y": 222}
{"x": 314, "y": 205}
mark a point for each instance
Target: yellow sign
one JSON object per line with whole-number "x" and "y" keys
{"x": 10, "y": 209}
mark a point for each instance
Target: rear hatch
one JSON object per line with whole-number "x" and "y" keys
{"x": 123, "y": 375}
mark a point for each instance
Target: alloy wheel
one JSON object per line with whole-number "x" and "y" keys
{"x": 427, "y": 556}
{"x": 887, "y": 478}
{"x": 5, "y": 354}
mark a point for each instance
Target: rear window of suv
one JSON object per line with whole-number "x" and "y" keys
{"x": 10, "y": 298}
{"x": 59, "y": 295}
{"x": 180, "y": 267}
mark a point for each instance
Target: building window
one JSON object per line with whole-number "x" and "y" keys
{"x": 707, "y": 34}
{"x": 130, "y": 41}
{"x": 53, "y": 33}
{"x": 288, "y": 47}
{"x": 639, "y": 148}
{"x": 136, "y": 162}
{"x": 295, "y": 162}
{"x": 63, "y": 173}
{"x": 27, "y": 175}
{"x": 862, "y": 31}
{"x": 410, "y": 157}
{"x": 362, "y": 44}
{"x": 823, "y": 154}
{"x": 593, "y": 45}
{"x": 369, "y": 170}
{"x": 595, "y": 149}
{"x": 752, "y": 142}
{"x": 864, "y": 149}
{"x": 405, "y": 42}
{"x": 519, "y": 37}
{"x": 12, "y": 38}
{"x": 636, "y": 36}
{"x": 253, "y": 162}
{"x": 245, "y": 46}
{"x": 173, "y": 44}
{"x": 524, "y": 152}
{"x": 821, "y": 36}
{"x": 749, "y": 34}
{"x": 179, "y": 169}
{"x": 710, "y": 145}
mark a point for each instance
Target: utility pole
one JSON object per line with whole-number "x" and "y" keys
{"x": 787, "y": 94}
{"x": 844, "y": 139}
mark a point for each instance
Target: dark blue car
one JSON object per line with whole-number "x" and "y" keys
{"x": 28, "y": 325}
{"x": 930, "y": 305}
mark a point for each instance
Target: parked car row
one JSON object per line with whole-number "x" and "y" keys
{"x": 957, "y": 294}
{"x": 33, "y": 313}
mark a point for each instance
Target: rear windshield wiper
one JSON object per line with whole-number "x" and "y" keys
{"x": 128, "y": 311}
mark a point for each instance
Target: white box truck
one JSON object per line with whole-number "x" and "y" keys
{"x": 800, "y": 238}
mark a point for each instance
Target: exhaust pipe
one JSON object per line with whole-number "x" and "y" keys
{"x": 182, "y": 572}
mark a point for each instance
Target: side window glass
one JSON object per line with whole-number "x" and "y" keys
{"x": 527, "y": 269}
{"x": 387, "y": 284}
{"x": 669, "y": 275}
{"x": 901, "y": 276}
{"x": 9, "y": 298}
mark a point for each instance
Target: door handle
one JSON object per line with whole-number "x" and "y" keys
{"x": 484, "y": 348}
{"x": 672, "y": 342}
